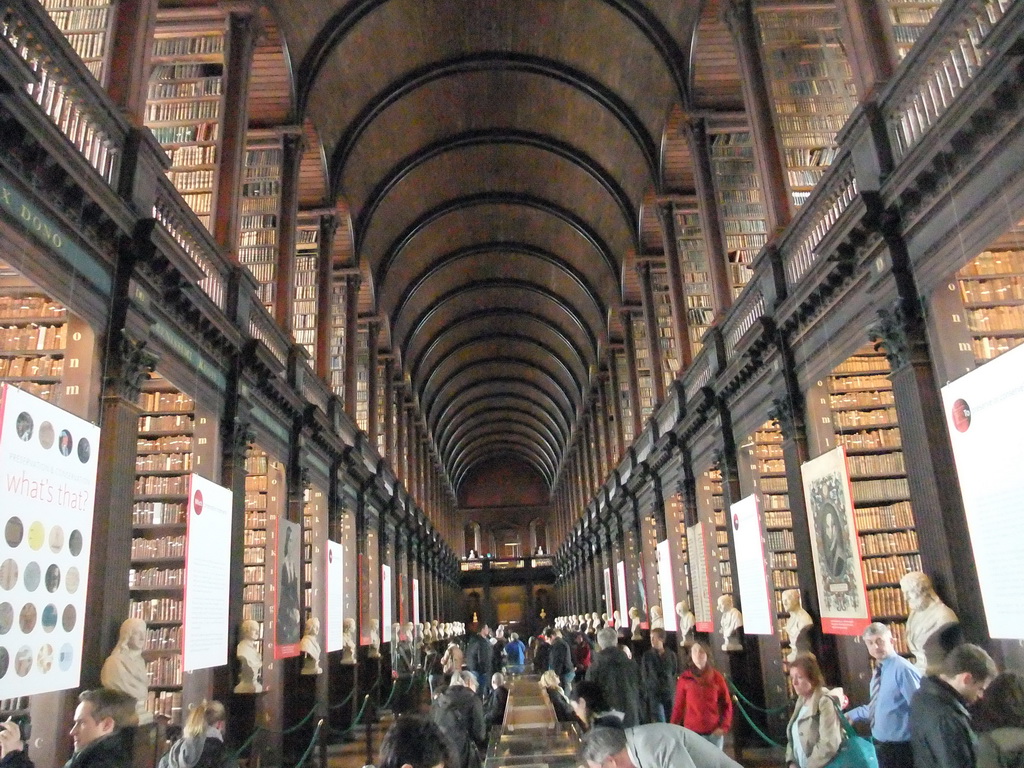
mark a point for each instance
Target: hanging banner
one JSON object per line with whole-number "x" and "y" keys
{"x": 48, "y": 460}
{"x": 608, "y": 602}
{"x": 385, "y": 592}
{"x": 620, "y": 579}
{"x": 667, "y": 585}
{"x": 700, "y": 578}
{"x": 842, "y": 595}
{"x": 289, "y": 585}
{"x": 985, "y": 417}
{"x": 207, "y": 576}
{"x": 335, "y": 595}
{"x": 752, "y": 568}
{"x": 416, "y": 601}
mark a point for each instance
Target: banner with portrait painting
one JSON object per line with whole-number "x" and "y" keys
{"x": 839, "y": 571}
{"x": 288, "y": 629}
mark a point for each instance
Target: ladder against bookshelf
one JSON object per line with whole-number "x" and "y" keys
{"x": 86, "y": 25}
{"x": 992, "y": 290}
{"x": 907, "y": 20}
{"x": 260, "y": 212}
{"x": 740, "y": 202}
{"x": 184, "y": 109}
{"x": 811, "y": 86}
{"x": 865, "y": 422}
{"x": 307, "y": 270}
{"x": 696, "y": 270}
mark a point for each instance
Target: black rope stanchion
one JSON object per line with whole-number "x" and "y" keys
{"x": 312, "y": 743}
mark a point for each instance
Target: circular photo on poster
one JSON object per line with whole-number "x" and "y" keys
{"x": 49, "y": 618}
{"x": 69, "y": 618}
{"x": 23, "y": 661}
{"x": 52, "y": 578}
{"x": 14, "y": 532}
{"x": 36, "y": 536}
{"x": 8, "y": 574}
{"x": 75, "y": 543}
{"x": 72, "y": 579}
{"x": 5, "y": 662}
{"x": 46, "y": 435}
{"x": 6, "y": 618}
{"x": 27, "y": 618}
{"x": 56, "y": 539}
{"x": 65, "y": 443}
{"x": 65, "y": 657}
{"x": 44, "y": 659}
{"x": 33, "y": 575}
{"x": 84, "y": 451}
{"x": 961, "y": 415}
{"x": 23, "y": 426}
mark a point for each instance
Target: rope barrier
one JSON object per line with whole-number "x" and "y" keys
{"x": 262, "y": 728}
{"x": 757, "y": 730}
{"x": 312, "y": 743}
{"x": 344, "y": 701}
{"x": 752, "y": 705}
{"x": 355, "y": 722}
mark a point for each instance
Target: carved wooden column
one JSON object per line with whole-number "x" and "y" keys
{"x": 670, "y": 244}
{"x": 131, "y": 47}
{"x": 292, "y": 145}
{"x": 653, "y": 337}
{"x": 714, "y": 234}
{"x": 872, "y": 50}
{"x": 629, "y": 347}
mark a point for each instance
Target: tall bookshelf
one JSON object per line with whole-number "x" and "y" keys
{"x": 184, "y": 109}
{"x": 86, "y": 25}
{"x": 621, "y": 364}
{"x": 309, "y": 512}
{"x": 363, "y": 377}
{"x": 992, "y": 289}
{"x": 716, "y": 525}
{"x": 811, "y": 84}
{"x": 156, "y": 580}
{"x": 865, "y": 422}
{"x": 307, "y": 271}
{"x": 337, "y": 346}
{"x": 382, "y": 407}
{"x": 260, "y": 211}
{"x": 254, "y": 553}
{"x": 644, "y": 375}
{"x": 740, "y": 202}
{"x": 670, "y": 358}
{"x": 33, "y": 339}
{"x": 696, "y": 269}
{"x": 907, "y": 20}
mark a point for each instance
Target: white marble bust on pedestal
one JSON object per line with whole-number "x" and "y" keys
{"x": 928, "y": 617}
{"x": 348, "y": 641}
{"x": 798, "y": 625}
{"x": 125, "y": 668}
{"x": 634, "y": 623}
{"x": 310, "y": 647}
{"x": 657, "y": 620}
{"x": 250, "y": 658}
{"x": 374, "y": 650}
{"x": 686, "y": 623}
{"x": 732, "y": 622}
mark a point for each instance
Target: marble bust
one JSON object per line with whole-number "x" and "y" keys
{"x": 732, "y": 622}
{"x": 928, "y": 617}
{"x": 310, "y": 647}
{"x": 374, "y": 650}
{"x": 348, "y": 641}
{"x": 634, "y": 623}
{"x": 686, "y": 623}
{"x": 250, "y": 658}
{"x": 657, "y": 620}
{"x": 125, "y": 668}
{"x": 798, "y": 625}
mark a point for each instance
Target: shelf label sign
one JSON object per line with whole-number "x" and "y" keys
{"x": 335, "y": 595}
{"x": 985, "y": 417}
{"x": 48, "y": 461}
{"x": 838, "y": 568}
{"x": 620, "y": 579}
{"x": 385, "y": 591}
{"x": 207, "y": 576}
{"x": 608, "y": 592}
{"x": 751, "y": 570}
{"x": 416, "y": 602}
{"x": 668, "y": 586}
{"x": 288, "y": 618}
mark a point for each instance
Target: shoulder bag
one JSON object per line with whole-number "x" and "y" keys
{"x": 855, "y": 751}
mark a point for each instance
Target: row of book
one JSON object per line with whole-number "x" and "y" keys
{"x": 165, "y": 704}
{"x": 188, "y": 89}
{"x": 205, "y": 108}
{"x": 33, "y": 337}
{"x": 780, "y": 541}
{"x": 163, "y": 462}
{"x": 195, "y": 45}
{"x": 250, "y": 237}
{"x": 255, "y": 537}
{"x": 31, "y": 367}
{"x": 874, "y": 417}
{"x": 254, "y": 574}
{"x": 994, "y": 263}
{"x": 16, "y": 307}
{"x": 889, "y": 570}
{"x": 166, "y": 423}
{"x": 898, "y": 515}
{"x": 862, "y": 398}
{"x": 887, "y": 601}
{"x": 88, "y": 45}
{"x": 153, "y": 485}
{"x": 253, "y": 556}
{"x": 873, "y": 490}
{"x": 166, "y": 401}
{"x": 191, "y": 156}
{"x": 776, "y": 501}
{"x": 782, "y": 560}
{"x": 876, "y": 464}
{"x": 988, "y": 347}
{"x": 992, "y": 290}
{"x": 191, "y": 180}
{"x": 896, "y": 542}
{"x": 785, "y": 578}
{"x": 186, "y": 71}
{"x": 254, "y": 593}
{"x": 778, "y": 519}
{"x": 163, "y": 638}
{"x": 187, "y": 134}
{"x": 1009, "y": 318}
{"x": 163, "y": 547}
{"x": 158, "y": 513}
{"x": 871, "y": 440}
{"x": 200, "y": 203}
{"x": 164, "y": 671}
{"x": 156, "y": 577}
{"x": 164, "y": 444}
{"x": 159, "y": 609}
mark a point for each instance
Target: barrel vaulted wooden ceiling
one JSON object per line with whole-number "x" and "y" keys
{"x": 500, "y": 162}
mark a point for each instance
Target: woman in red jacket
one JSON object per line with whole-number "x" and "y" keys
{"x": 702, "y": 701}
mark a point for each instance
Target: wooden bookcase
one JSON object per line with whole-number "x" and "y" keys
{"x": 307, "y": 266}
{"x": 185, "y": 106}
{"x": 621, "y": 364}
{"x": 907, "y": 20}
{"x": 865, "y": 422}
{"x": 255, "y": 552}
{"x": 382, "y": 408}
{"x": 671, "y": 362}
{"x": 811, "y": 84}
{"x": 338, "y": 331}
{"x": 740, "y": 202}
{"x": 86, "y": 25}
{"x": 259, "y": 209}
{"x": 712, "y": 509}
{"x": 992, "y": 289}
{"x": 308, "y": 515}
{"x": 363, "y": 377}
{"x": 697, "y": 288}
{"x": 645, "y": 383}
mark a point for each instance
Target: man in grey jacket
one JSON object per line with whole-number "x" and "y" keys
{"x": 650, "y": 746}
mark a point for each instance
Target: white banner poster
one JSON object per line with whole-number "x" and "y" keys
{"x": 385, "y": 596}
{"x": 620, "y": 578}
{"x": 207, "y": 576}
{"x": 416, "y": 602}
{"x": 751, "y": 568}
{"x": 48, "y": 460}
{"x": 608, "y": 602}
{"x": 985, "y": 416}
{"x": 842, "y": 594}
{"x": 700, "y": 578}
{"x": 668, "y": 586}
{"x": 335, "y": 595}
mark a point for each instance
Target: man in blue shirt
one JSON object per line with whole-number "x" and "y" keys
{"x": 893, "y": 684}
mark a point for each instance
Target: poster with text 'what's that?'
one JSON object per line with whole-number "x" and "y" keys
{"x": 48, "y": 462}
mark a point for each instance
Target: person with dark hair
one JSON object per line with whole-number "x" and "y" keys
{"x": 940, "y": 721}
{"x": 581, "y": 653}
{"x": 515, "y": 655}
{"x": 814, "y": 733}
{"x": 999, "y": 722}
{"x": 415, "y": 742}
{"x": 658, "y": 670}
{"x": 202, "y": 740}
{"x": 650, "y": 746}
{"x": 459, "y": 713}
{"x": 702, "y": 701}
{"x": 12, "y": 746}
{"x": 560, "y": 658}
{"x": 591, "y": 707}
{"x": 618, "y": 676}
{"x": 103, "y": 718}
{"x": 479, "y": 658}
{"x": 497, "y": 700}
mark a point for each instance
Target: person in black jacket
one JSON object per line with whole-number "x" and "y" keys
{"x": 103, "y": 722}
{"x": 560, "y": 658}
{"x": 479, "y": 658}
{"x": 659, "y": 670}
{"x": 414, "y": 741}
{"x": 497, "y": 700}
{"x": 459, "y": 714}
{"x": 618, "y": 676}
{"x": 12, "y": 746}
{"x": 940, "y": 722}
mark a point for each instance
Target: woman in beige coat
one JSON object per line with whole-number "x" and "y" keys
{"x": 814, "y": 734}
